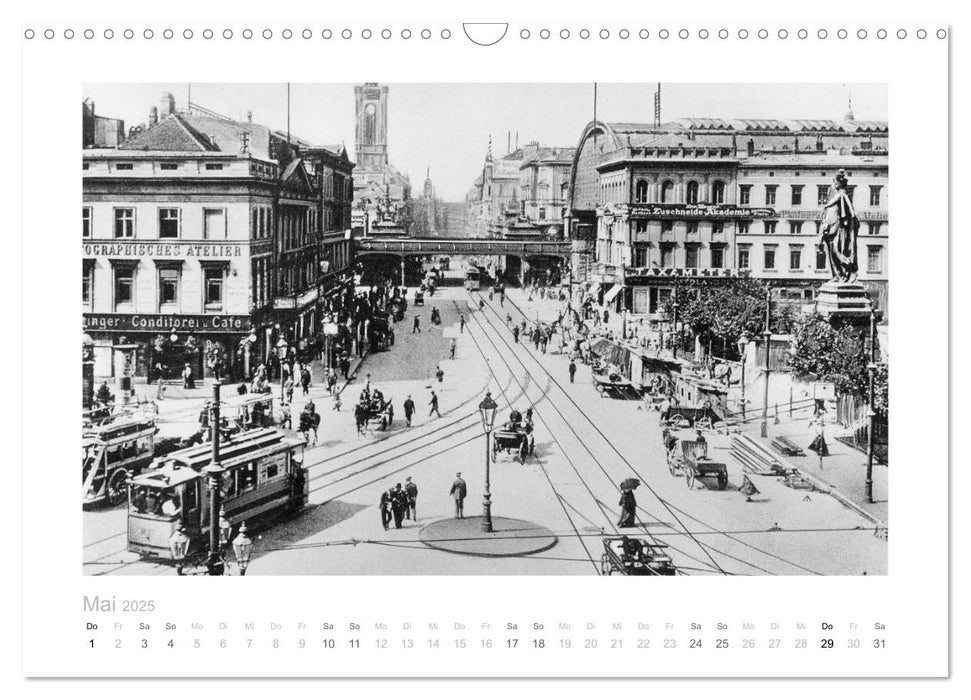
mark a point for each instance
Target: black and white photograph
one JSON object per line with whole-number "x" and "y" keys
{"x": 556, "y": 329}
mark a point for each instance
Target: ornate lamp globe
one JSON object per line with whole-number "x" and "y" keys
{"x": 242, "y": 548}
{"x": 487, "y": 411}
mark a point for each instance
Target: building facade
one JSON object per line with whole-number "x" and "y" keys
{"x": 712, "y": 199}
{"x": 202, "y": 242}
{"x": 381, "y": 193}
{"x": 494, "y": 200}
{"x": 542, "y": 178}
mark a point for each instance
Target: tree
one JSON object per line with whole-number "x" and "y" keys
{"x": 727, "y": 310}
{"x": 823, "y": 352}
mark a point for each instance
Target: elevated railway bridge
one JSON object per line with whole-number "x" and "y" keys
{"x": 514, "y": 257}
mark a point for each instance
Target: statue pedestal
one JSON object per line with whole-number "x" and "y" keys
{"x": 847, "y": 301}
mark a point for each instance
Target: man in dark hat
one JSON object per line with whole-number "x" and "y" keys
{"x": 411, "y": 491}
{"x": 459, "y": 492}
{"x": 399, "y": 504}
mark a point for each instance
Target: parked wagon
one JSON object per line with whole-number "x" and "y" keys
{"x": 694, "y": 416}
{"x": 688, "y": 457}
{"x": 631, "y": 556}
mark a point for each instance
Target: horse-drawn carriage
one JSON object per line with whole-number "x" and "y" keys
{"x": 381, "y": 334}
{"x": 687, "y": 456}
{"x": 514, "y": 438}
{"x": 377, "y": 413}
{"x": 632, "y": 556}
{"x": 702, "y": 416}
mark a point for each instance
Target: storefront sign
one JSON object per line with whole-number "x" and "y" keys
{"x": 164, "y": 323}
{"x": 699, "y": 211}
{"x": 164, "y": 250}
{"x": 679, "y": 272}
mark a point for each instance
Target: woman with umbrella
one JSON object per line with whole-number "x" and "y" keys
{"x": 628, "y": 504}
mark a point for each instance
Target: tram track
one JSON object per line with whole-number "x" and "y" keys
{"x": 392, "y": 461}
{"x": 669, "y": 507}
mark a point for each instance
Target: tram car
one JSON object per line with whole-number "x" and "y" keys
{"x": 472, "y": 276}
{"x": 109, "y": 453}
{"x": 263, "y": 472}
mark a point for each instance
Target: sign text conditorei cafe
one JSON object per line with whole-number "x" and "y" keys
{"x": 164, "y": 250}
{"x": 164, "y": 323}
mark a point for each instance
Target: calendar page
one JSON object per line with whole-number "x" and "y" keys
{"x": 559, "y": 348}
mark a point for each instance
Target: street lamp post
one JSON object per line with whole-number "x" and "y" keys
{"x": 242, "y": 548}
{"x": 215, "y": 473}
{"x": 767, "y": 334}
{"x": 742, "y": 343}
{"x": 487, "y": 411}
{"x": 871, "y": 414}
{"x": 281, "y": 351}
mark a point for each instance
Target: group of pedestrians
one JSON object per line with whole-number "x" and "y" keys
{"x": 398, "y": 504}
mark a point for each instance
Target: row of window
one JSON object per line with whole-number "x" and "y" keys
{"x": 641, "y": 257}
{"x": 744, "y": 227}
{"x": 161, "y": 166}
{"x": 169, "y": 223}
{"x": 717, "y": 195}
{"x": 125, "y": 276}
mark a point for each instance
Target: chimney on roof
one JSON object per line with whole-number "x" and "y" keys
{"x": 249, "y": 116}
{"x": 166, "y": 105}
{"x": 508, "y": 142}
{"x": 750, "y": 147}
{"x": 152, "y": 116}
{"x": 517, "y": 140}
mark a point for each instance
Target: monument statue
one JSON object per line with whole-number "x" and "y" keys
{"x": 839, "y": 230}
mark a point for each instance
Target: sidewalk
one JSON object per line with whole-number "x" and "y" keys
{"x": 843, "y": 470}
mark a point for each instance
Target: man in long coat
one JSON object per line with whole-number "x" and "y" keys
{"x": 459, "y": 492}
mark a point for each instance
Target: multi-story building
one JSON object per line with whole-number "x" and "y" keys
{"x": 494, "y": 201}
{"x": 381, "y": 193}
{"x": 708, "y": 199}
{"x": 202, "y": 240}
{"x": 542, "y": 175}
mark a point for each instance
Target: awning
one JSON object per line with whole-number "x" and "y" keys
{"x": 612, "y": 293}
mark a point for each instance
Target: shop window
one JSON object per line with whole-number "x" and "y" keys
{"x": 213, "y": 280}
{"x": 124, "y": 223}
{"x": 86, "y": 220}
{"x": 214, "y": 224}
{"x": 169, "y": 223}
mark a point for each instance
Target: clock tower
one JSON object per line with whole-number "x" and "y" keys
{"x": 371, "y": 135}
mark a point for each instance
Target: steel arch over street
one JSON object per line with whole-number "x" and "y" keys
{"x": 460, "y": 246}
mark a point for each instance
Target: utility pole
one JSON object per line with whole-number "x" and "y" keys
{"x": 674, "y": 329}
{"x": 871, "y": 414}
{"x": 215, "y": 473}
{"x": 767, "y": 334}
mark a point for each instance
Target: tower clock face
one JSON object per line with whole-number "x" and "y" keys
{"x": 370, "y": 108}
